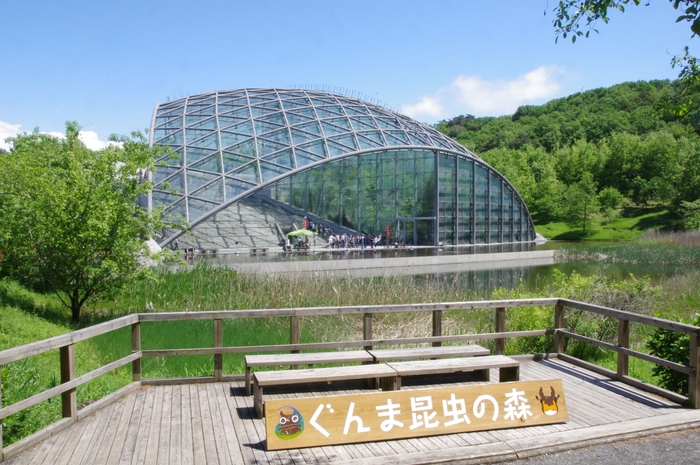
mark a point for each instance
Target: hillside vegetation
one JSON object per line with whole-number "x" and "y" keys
{"x": 579, "y": 160}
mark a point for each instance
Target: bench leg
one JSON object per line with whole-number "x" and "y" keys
{"x": 247, "y": 381}
{"x": 509, "y": 374}
{"x": 258, "y": 399}
{"x": 390, "y": 383}
{"x": 483, "y": 375}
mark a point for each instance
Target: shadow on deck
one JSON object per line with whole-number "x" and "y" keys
{"x": 214, "y": 423}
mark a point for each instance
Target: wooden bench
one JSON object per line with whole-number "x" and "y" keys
{"x": 309, "y": 358}
{"x": 319, "y": 375}
{"x": 509, "y": 369}
{"x": 469, "y": 350}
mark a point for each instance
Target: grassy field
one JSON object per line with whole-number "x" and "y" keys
{"x": 628, "y": 223}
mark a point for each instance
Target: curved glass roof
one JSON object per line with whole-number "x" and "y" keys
{"x": 229, "y": 142}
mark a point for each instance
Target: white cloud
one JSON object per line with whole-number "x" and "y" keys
{"x": 90, "y": 138}
{"x": 7, "y": 130}
{"x": 473, "y": 95}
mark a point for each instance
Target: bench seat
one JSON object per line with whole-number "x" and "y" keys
{"x": 509, "y": 369}
{"x": 319, "y": 375}
{"x": 470, "y": 350}
{"x": 309, "y": 358}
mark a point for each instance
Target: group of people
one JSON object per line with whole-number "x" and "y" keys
{"x": 341, "y": 241}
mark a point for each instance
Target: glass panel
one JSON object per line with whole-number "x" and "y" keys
{"x": 199, "y": 208}
{"x": 209, "y": 142}
{"x": 213, "y": 192}
{"x": 418, "y": 140}
{"x": 205, "y": 124}
{"x": 235, "y": 187}
{"x": 248, "y": 173}
{"x": 340, "y": 122}
{"x": 312, "y": 128}
{"x": 283, "y": 158}
{"x": 225, "y": 121}
{"x": 169, "y": 122}
{"x": 391, "y": 140}
{"x": 296, "y": 119}
{"x": 209, "y": 164}
{"x": 277, "y": 118}
{"x": 322, "y": 101}
{"x": 233, "y": 161}
{"x": 200, "y": 110}
{"x": 159, "y": 134}
{"x": 400, "y": 135}
{"x": 348, "y": 140}
{"x": 164, "y": 198}
{"x": 388, "y": 123}
{"x": 375, "y": 136}
{"x": 176, "y": 212}
{"x": 170, "y": 111}
{"x": 291, "y": 104}
{"x": 195, "y": 180}
{"x": 194, "y": 154}
{"x": 274, "y": 105}
{"x": 194, "y": 134}
{"x": 175, "y": 184}
{"x": 305, "y": 158}
{"x": 300, "y": 137}
{"x": 308, "y": 112}
{"x": 366, "y": 143}
{"x": 228, "y": 138}
{"x": 162, "y": 172}
{"x": 245, "y": 148}
{"x": 266, "y": 147}
{"x": 316, "y": 148}
{"x": 355, "y": 110}
{"x": 260, "y": 111}
{"x": 335, "y": 149}
{"x": 331, "y": 130}
{"x": 323, "y": 113}
{"x": 262, "y": 127}
{"x": 242, "y": 128}
{"x": 172, "y": 139}
{"x": 281, "y": 136}
{"x": 363, "y": 123}
{"x": 270, "y": 171}
{"x": 202, "y": 100}
{"x": 240, "y": 113}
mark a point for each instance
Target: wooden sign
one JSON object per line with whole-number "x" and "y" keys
{"x": 328, "y": 420}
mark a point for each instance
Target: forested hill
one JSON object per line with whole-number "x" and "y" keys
{"x": 585, "y": 155}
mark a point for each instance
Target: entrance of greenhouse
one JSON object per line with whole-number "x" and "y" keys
{"x": 409, "y": 231}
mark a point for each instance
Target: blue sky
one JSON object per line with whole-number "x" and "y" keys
{"x": 107, "y": 64}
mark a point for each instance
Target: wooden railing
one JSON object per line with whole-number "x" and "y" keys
{"x": 69, "y": 382}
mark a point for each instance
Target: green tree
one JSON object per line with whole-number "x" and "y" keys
{"x": 581, "y": 203}
{"x": 71, "y": 223}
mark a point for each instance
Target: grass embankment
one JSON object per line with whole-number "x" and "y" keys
{"x": 27, "y": 317}
{"x": 629, "y": 223}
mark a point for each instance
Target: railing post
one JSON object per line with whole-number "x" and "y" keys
{"x": 500, "y": 328}
{"x": 2, "y": 452}
{"x": 623, "y": 340}
{"x": 437, "y": 326}
{"x": 294, "y": 335}
{"x": 69, "y": 405}
{"x": 367, "y": 329}
{"x": 559, "y": 323}
{"x": 218, "y": 342}
{"x": 135, "y": 347}
{"x": 694, "y": 381}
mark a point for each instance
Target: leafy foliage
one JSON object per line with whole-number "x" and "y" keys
{"x": 620, "y": 139}
{"x": 71, "y": 221}
{"x": 673, "y": 346}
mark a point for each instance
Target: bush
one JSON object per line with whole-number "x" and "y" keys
{"x": 675, "y": 347}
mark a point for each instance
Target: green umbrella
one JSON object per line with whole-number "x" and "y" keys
{"x": 301, "y": 232}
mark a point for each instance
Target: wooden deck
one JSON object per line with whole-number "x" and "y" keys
{"x": 215, "y": 424}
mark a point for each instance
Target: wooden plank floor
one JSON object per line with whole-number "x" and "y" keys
{"x": 214, "y": 424}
